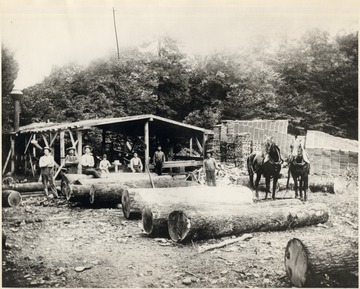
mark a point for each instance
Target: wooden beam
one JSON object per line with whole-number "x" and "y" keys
{"x": 34, "y": 149}
{"x": 31, "y": 164}
{"x": 62, "y": 148}
{"x": 191, "y": 146}
{"x": 7, "y": 161}
{"x": 45, "y": 140}
{"x": 199, "y": 145}
{"x": 28, "y": 144}
{"x": 205, "y": 136}
{"x": 80, "y": 146}
{"x": 147, "y": 143}
{"x": 72, "y": 138}
{"x": 53, "y": 139}
{"x": 12, "y": 165}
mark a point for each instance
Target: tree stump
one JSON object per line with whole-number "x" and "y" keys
{"x": 11, "y": 198}
{"x": 308, "y": 260}
{"x": 186, "y": 225}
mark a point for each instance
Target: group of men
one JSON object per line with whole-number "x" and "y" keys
{"x": 46, "y": 164}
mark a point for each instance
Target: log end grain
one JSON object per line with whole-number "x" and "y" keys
{"x": 125, "y": 204}
{"x": 11, "y": 198}
{"x": 296, "y": 263}
{"x": 147, "y": 220}
{"x": 178, "y": 225}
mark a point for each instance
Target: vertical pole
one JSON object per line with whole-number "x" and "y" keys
{"x": 62, "y": 148}
{"x": 34, "y": 149}
{"x": 12, "y": 164}
{"x": 191, "y": 146}
{"x": 205, "y": 136}
{"x": 117, "y": 42}
{"x": 79, "y": 138}
{"x": 146, "y": 138}
{"x": 103, "y": 141}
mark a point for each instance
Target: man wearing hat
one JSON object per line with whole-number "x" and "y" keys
{"x": 159, "y": 159}
{"x": 87, "y": 163}
{"x": 71, "y": 161}
{"x": 46, "y": 163}
{"x": 210, "y": 166}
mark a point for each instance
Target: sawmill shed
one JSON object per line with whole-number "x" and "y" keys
{"x": 117, "y": 137}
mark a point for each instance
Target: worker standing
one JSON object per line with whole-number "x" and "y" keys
{"x": 46, "y": 163}
{"x": 71, "y": 161}
{"x": 210, "y": 166}
{"x": 159, "y": 160}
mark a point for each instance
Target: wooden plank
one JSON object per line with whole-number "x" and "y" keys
{"x": 199, "y": 145}
{"x": 45, "y": 140}
{"x": 28, "y": 144}
{"x": 6, "y": 162}
{"x": 62, "y": 148}
{"x": 79, "y": 153}
{"x": 32, "y": 165}
{"x": 147, "y": 143}
{"x": 53, "y": 139}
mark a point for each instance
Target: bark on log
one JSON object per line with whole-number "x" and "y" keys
{"x": 27, "y": 187}
{"x": 155, "y": 217}
{"x": 186, "y": 225}
{"x": 78, "y": 193}
{"x": 129, "y": 178}
{"x": 3, "y": 239}
{"x": 11, "y": 198}
{"x": 308, "y": 259}
{"x": 109, "y": 194}
{"x": 135, "y": 200}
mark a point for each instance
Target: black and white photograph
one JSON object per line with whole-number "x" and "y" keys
{"x": 179, "y": 144}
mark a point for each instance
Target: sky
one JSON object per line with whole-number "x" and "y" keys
{"x": 43, "y": 34}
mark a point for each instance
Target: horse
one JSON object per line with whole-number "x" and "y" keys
{"x": 268, "y": 164}
{"x": 299, "y": 169}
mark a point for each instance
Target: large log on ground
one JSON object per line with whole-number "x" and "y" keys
{"x": 27, "y": 187}
{"x": 308, "y": 259}
{"x": 78, "y": 193}
{"x": 137, "y": 180}
{"x": 135, "y": 200}
{"x": 11, "y": 198}
{"x": 186, "y": 225}
{"x": 106, "y": 194}
{"x": 155, "y": 218}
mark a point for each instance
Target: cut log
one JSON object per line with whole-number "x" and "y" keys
{"x": 128, "y": 178}
{"x": 186, "y": 225}
{"x": 135, "y": 200}
{"x": 27, "y": 187}
{"x": 321, "y": 185}
{"x": 155, "y": 218}
{"x": 11, "y": 198}
{"x": 307, "y": 260}
{"x": 78, "y": 193}
{"x": 109, "y": 194}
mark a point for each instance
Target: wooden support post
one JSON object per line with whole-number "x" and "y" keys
{"x": 191, "y": 146}
{"x": 31, "y": 164}
{"x": 45, "y": 140}
{"x": 27, "y": 145}
{"x": 205, "y": 136}
{"x": 199, "y": 145}
{"x": 34, "y": 149}
{"x": 80, "y": 145}
{"x": 6, "y": 162}
{"x": 62, "y": 148}
{"x": 53, "y": 139}
{"x": 147, "y": 143}
{"x": 12, "y": 165}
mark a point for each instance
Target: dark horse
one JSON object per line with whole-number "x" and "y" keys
{"x": 299, "y": 169}
{"x": 268, "y": 164}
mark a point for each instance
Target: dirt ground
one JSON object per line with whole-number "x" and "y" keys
{"x": 47, "y": 245}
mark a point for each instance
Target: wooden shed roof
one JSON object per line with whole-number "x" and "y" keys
{"x": 102, "y": 122}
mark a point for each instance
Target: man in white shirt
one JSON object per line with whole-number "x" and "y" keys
{"x": 136, "y": 164}
{"x": 46, "y": 163}
{"x": 87, "y": 163}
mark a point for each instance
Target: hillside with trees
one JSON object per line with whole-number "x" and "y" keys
{"x": 311, "y": 80}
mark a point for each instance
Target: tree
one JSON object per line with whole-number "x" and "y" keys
{"x": 9, "y": 71}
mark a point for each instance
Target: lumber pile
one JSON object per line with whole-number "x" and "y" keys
{"x": 309, "y": 259}
{"x": 11, "y": 198}
{"x": 186, "y": 225}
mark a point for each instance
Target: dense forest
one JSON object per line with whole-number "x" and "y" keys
{"x": 311, "y": 80}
